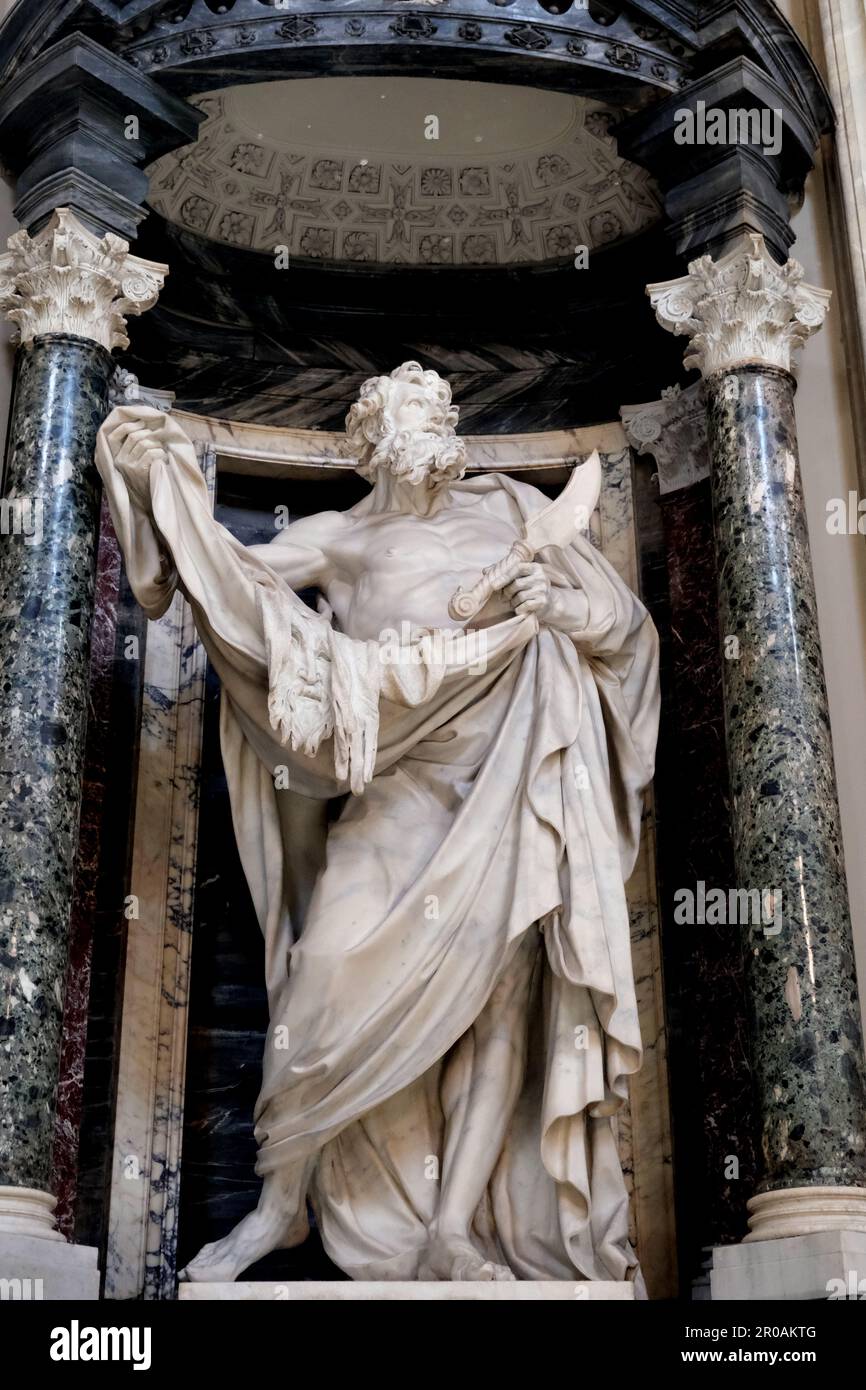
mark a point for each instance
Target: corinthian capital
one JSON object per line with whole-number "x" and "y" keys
{"x": 66, "y": 280}
{"x": 742, "y": 309}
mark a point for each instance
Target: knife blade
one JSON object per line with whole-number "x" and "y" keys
{"x": 555, "y": 524}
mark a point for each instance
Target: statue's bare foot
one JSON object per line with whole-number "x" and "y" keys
{"x": 251, "y": 1239}
{"x": 455, "y": 1258}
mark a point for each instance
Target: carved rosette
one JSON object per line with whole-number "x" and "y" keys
{"x": 673, "y": 431}
{"x": 742, "y": 309}
{"x": 67, "y": 280}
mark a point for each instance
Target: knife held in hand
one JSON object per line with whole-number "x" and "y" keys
{"x": 555, "y": 524}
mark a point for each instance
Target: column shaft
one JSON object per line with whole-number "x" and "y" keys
{"x": 46, "y": 598}
{"x": 808, "y": 1056}
{"x": 746, "y": 317}
{"x": 68, "y": 292}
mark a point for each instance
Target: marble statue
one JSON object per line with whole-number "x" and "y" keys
{"x": 452, "y": 1008}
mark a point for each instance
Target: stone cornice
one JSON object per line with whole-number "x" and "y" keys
{"x": 753, "y": 27}
{"x": 717, "y": 193}
{"x": 633, "y": 49}
{"x": 65, "y": 131}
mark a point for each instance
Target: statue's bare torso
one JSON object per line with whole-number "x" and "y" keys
{"x": 382, "y": 569}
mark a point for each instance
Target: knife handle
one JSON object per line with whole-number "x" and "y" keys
{"x": 466, "y": 604}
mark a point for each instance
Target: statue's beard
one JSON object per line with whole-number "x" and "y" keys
{"x": 419, "y": 456}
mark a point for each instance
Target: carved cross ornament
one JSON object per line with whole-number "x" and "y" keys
{"x": 744, "y": 308}
{"x": 67, "y": 280}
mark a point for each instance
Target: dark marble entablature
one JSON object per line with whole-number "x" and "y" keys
{"x": 641, "y": 44}
{"x": 522, "y": 43}
{"x": 79, "y": 157}
{"x": 631, "y": 54}
{"x": 617, "y": 48}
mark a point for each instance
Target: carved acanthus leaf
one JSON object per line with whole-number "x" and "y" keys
{"x": 67, "y": 280}
{"x": 744, "y": 308}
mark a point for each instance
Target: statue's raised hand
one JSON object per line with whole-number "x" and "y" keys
{"x": 136, "y": 449}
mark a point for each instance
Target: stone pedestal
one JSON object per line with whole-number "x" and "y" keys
{"x": 825, "y": 1264}
{"x": 356, "y": 1291}
{"x": 32, "y": 1270}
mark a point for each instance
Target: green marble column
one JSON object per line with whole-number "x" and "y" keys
{"x": 67, "y": 290}
{"x": 745, "y": 315}
{"x": 46, "y": 602}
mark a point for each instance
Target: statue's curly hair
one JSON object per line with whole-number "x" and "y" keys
{"x": 368, "y": 420}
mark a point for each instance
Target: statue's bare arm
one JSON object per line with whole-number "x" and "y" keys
{"x": 303, "y": 553}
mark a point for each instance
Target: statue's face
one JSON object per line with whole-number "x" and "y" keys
{"x": 409, "y": 408}
{"x": 405, "y": 426}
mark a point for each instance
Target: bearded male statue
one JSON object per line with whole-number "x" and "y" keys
{"x": 452, "y": 1008}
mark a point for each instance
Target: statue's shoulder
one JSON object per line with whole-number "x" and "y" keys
{"x": 502, "y": 494}
{"x": 316, "y": 529}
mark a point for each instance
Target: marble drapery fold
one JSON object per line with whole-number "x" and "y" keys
{"x": 501, "y": 820}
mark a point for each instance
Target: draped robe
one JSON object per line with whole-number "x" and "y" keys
{"x": 503, "y": 812}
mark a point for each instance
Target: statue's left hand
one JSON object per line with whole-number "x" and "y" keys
{"x": 532, "y": 592}
{"x": 135, "y": 450}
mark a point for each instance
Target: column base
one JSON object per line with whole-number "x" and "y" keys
{"x": 27, "y": 1211}
{"x": 36, "y": 1262}
{"x": 351, "y": 1290}
{"x": 799, "y": 1211}
{"x": 823, "y": 1265}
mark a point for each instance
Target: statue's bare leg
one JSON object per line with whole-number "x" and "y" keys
{"x": 278, "y": 1223}
{"x": 480, "y": 1122}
